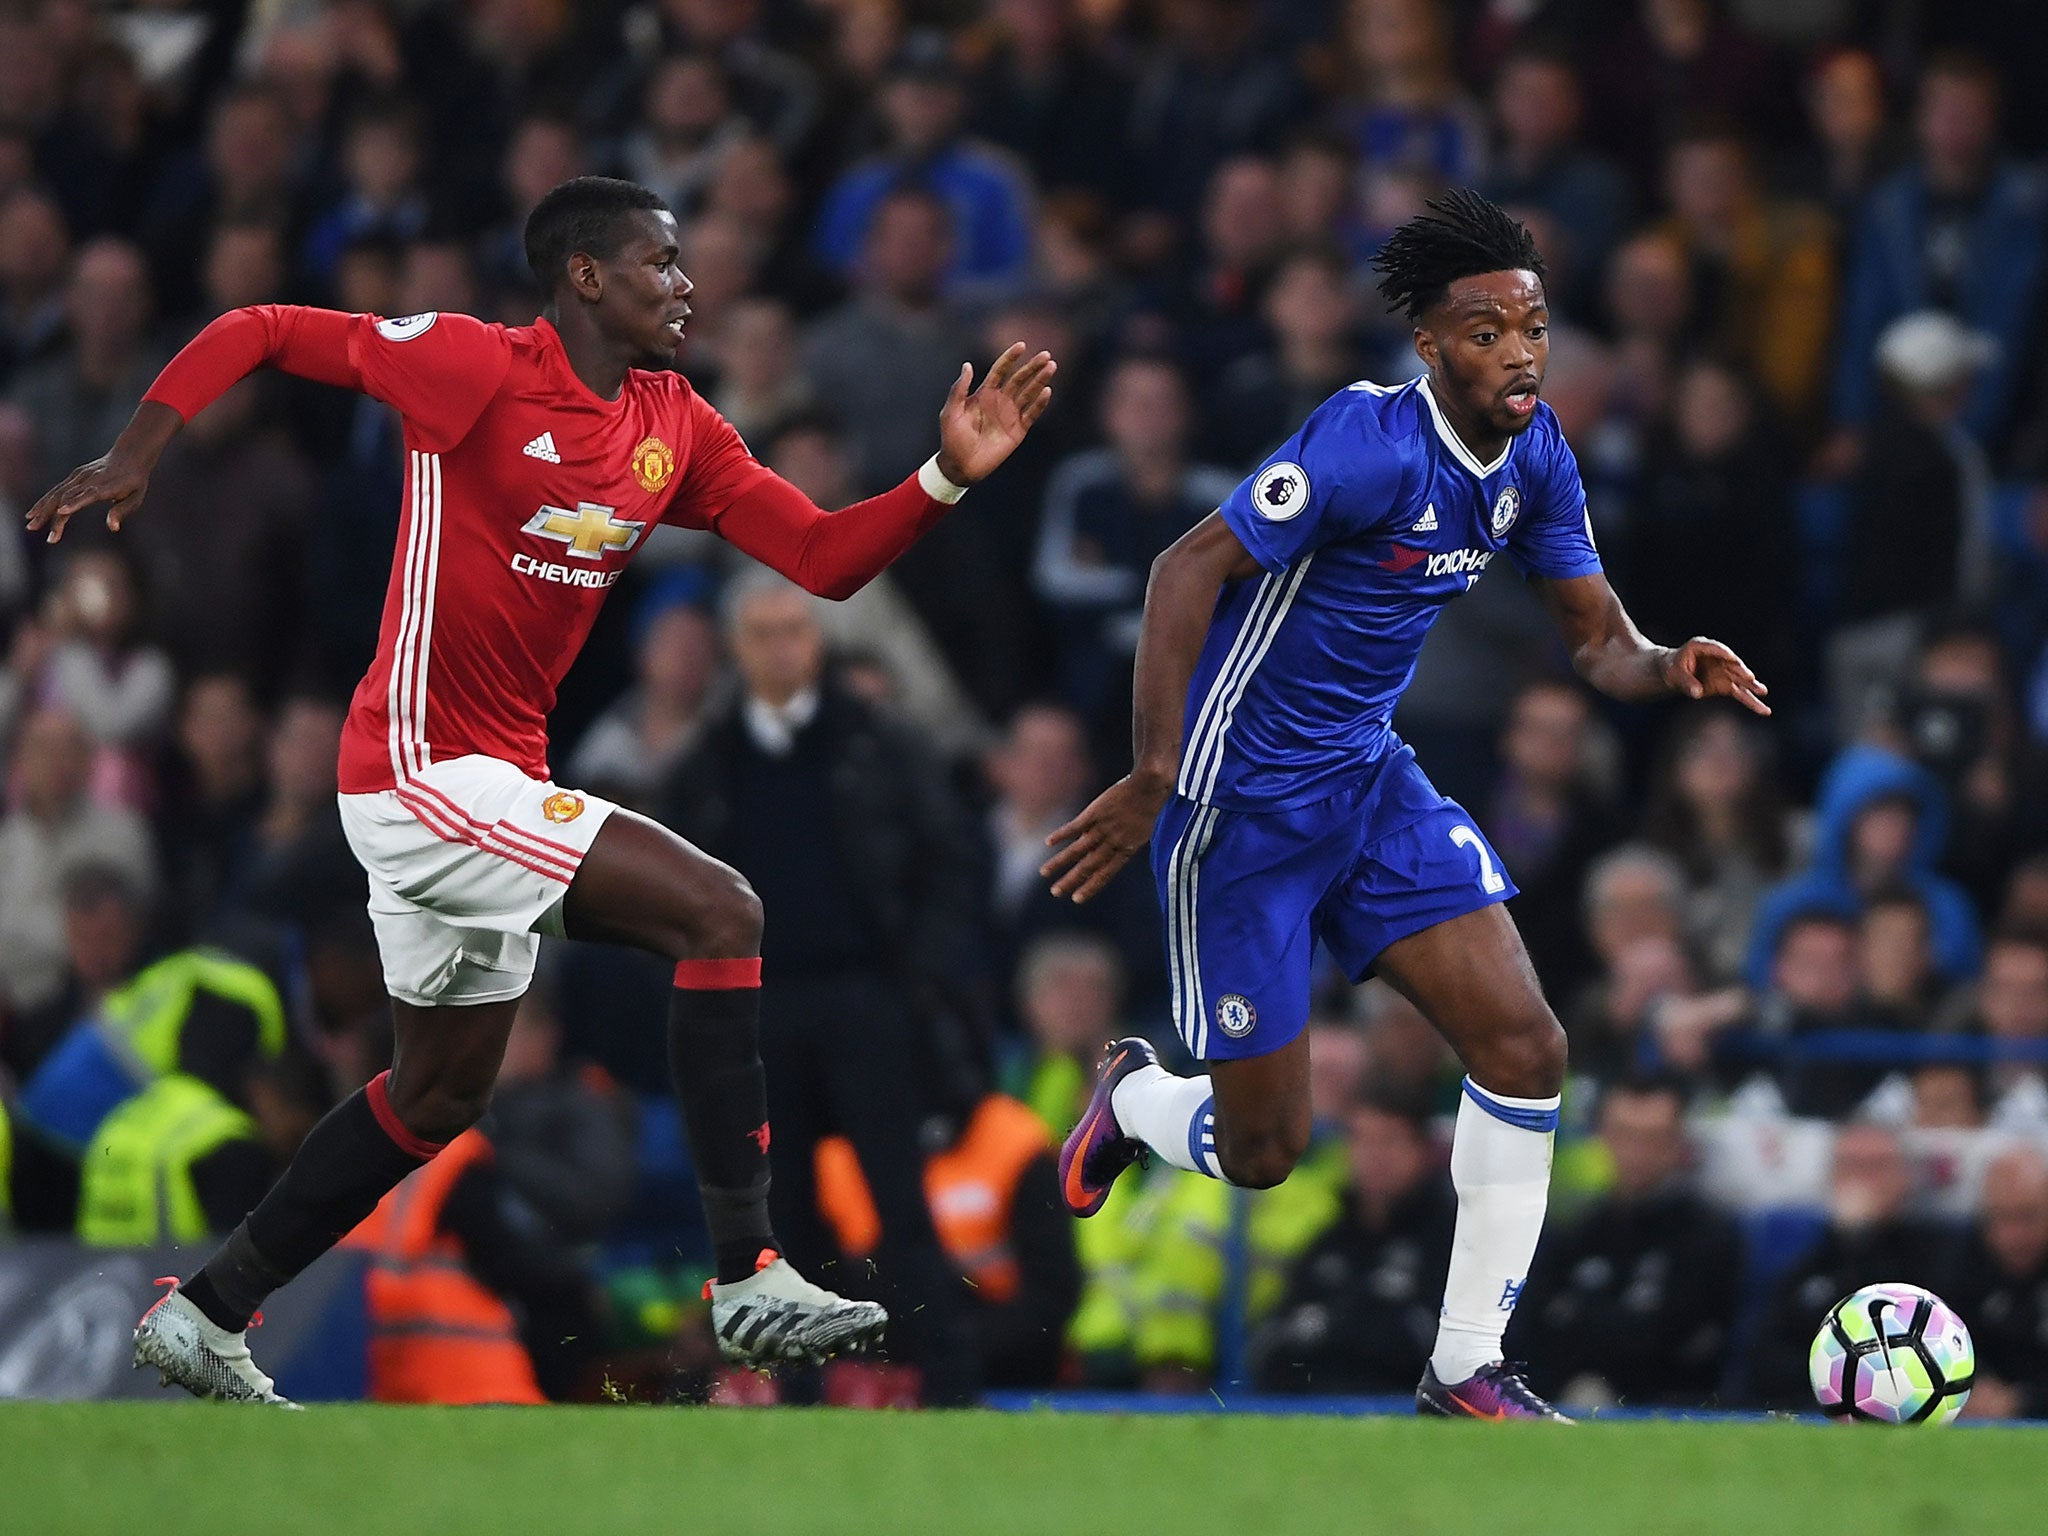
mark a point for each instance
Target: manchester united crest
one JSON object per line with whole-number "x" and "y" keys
{"x": 562, "y": 805}
{"x": 654, "y": 464}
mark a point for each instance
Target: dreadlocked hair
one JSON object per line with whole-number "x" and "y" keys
{"x": 1461, "y": 235}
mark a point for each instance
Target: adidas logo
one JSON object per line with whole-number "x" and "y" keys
{"x": 543, "y": 447}
{"x": 1423, "y": 524}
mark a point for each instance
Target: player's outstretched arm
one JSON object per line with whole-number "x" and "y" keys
{"x": 835, "y": 554}
{"x": 312, "y": 343}
{"x": 1180, "y": 599}
{"x": 1609, "y": 652}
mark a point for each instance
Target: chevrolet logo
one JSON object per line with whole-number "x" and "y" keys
{"x": 589, "y": 531}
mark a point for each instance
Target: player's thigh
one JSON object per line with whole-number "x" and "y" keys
{"x": 1264, "y": 1116}
{"x": 1470, "y": 976}
{"x": 640, "y": 884}
{"x": 1237, "y": 891}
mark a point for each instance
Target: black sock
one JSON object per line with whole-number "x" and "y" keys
{"x": 341, "y": 1171}
{"x": 714, "y": 1052}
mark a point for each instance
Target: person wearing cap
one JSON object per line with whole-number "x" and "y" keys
{"x": 1963, "y": 230}
{"x": 1923, "y": 483}
{"x": 924, "y": 99}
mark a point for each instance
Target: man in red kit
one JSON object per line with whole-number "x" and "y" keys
{"x": 538, "y": 457}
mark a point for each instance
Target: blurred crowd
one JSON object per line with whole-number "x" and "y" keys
{"x": 1797, "y": 253}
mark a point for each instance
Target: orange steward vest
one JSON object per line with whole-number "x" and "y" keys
{"x": 970, "y": 1188}
{"x": 436, "y": 1334}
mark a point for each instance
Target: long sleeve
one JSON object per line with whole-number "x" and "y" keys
{"x": 311, "y": 343}
{"x": 831, "y": 554}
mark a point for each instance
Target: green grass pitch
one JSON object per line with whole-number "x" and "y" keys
{"x": 163, "y": 1470}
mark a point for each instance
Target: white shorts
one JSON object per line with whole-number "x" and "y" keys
{"x": 468, "y": 863}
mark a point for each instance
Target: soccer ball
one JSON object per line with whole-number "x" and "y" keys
{"x": 1892, "y": 1354}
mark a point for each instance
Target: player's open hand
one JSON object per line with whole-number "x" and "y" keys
{"x": 978, "y": 430}
{"x": 1705, "y": 669}
{"x": 1100, "y": 841}
{"x": 119, "y": 477}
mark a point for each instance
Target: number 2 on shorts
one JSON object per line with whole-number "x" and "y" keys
{"x": 1491, "y": 880}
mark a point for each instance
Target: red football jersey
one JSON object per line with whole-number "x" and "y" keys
{"x": 526, "y": 495}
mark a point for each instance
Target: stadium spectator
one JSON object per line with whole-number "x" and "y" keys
{"x": 1359, "y": 1312}
{"x": 53, "y": 831}
{"x": 993, "y": 1189}
{"x": 882, "y": 357}
{"x": 1646, "y": 1009}
{"x": 223, "y": 547}
{"x": 632, "y": 746}
{"x": 1311, "y": 311}
{"x": 1539, "y": 163}
{"x": 87, "y": 656}
{"x": 1407, "y": 110}
{"x": 1871, "y": 1237}
{"x": 212, "y": 798}
{"x": 847, "y": 830}
{"x": 83, "y": 393}
{"x": 563, "y": 1137}
{"x": 759, "y": 384}
{"x": 1897, "y": 987}
{"x": 1707, "y": 547}
{"x": 811, "y": 453}
{"x": 687, "y": 124}
{"x": 244, "y": 175}
{"x": 2010, "y": 1007}
{"x": 1670, "y": 63}
{"x": 1815, "y": 989}
{"x": 1213, "y": 86}
{"x": 1879, "y": 821}
{"x": 1715, "y": 805}
{"x": 1045, "y": 96}
{"x": 1999, "y": 1281}
{"x": 1547, "y": 819}
{"x": 1108, "y": 512}
{"x": 34, "y": 247}
{"x": 104, "y": 922}
{"x": 1851, "y": 143}
{"x": 1964, "y": 230}
{"x": 300, "y": 871}
{"x": 1634, "y": 1300}
{"x": 1763, "y": 269}
{"x": 1182, "y": 1276}
{"x": 924, "y": 100}
{"x": 382, "y": 160}
{"x": 775, "y": 91}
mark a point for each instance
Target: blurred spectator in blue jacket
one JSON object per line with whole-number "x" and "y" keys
{"x": 1962, "y": 230}
{"x": 924, "y": 100}
{"x": 1880, "y": 821}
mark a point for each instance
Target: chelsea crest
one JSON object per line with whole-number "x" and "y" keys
{"x": 1506, "y": 507}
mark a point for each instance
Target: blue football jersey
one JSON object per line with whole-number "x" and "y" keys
{"x": 1368, "y": 520}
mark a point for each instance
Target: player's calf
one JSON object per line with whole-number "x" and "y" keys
{"x": 1261, "y": 1155}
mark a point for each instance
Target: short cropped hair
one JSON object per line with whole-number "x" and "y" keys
{"x": 583, "y": 214}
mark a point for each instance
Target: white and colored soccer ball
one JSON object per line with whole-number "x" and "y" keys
{"x": 1892, "y": 1354}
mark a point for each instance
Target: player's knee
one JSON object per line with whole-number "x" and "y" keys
{"x": 440, "y": 1109}
{"x": 728, "y": 922}
{"x": 1261, "y": 1159}
{"x": 1526, "y": 1059}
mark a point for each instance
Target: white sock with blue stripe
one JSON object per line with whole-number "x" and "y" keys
{"x": 1500, "y": 1165}
{"x": 1174, "y": 1116}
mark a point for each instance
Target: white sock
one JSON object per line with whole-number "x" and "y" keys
{"x": 1174, "y": 1116}
{"x": 1500, "y": 1165}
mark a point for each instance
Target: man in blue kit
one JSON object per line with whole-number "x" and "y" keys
{"x": 1283, "y": 810}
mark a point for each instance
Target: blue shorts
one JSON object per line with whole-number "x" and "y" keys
{"x": 1248, "y": 894}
